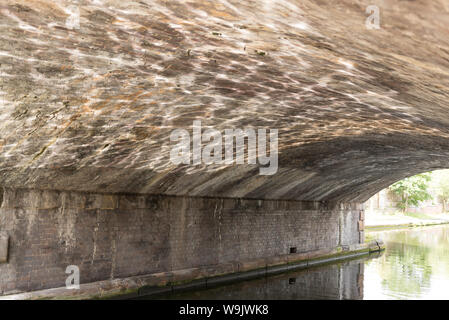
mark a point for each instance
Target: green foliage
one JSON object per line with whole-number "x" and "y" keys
{"x": 412, "y": 190}
{"x": 441, "y": 178}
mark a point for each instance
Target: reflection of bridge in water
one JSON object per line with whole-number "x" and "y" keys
{"x": 341, "y": 281}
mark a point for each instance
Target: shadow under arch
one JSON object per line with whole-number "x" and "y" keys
{"x": 352, "y": 169}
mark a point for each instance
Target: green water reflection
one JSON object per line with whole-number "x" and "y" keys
{"x": 414, "y": 266}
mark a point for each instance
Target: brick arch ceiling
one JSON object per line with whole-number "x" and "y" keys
{"x": 92, "y": 108}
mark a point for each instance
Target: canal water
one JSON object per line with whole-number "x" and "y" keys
{"x": 415, "y": 265}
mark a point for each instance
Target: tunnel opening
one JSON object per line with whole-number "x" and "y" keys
{"x": 411, "y": 217}
{"x": 424, "y": 195}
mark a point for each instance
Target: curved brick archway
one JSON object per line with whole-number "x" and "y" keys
{"x": 88, "y": 106}
{"x": 92, "y": 108}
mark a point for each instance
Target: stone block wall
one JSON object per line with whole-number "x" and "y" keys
{"x": 112, "y": 236}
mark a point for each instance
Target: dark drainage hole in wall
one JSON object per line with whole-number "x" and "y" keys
{"x": 293, "y": 250}
{"x": 292, "y": 281}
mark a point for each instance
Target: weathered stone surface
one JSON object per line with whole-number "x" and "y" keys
{"x": 361, "y": 225}
{"x": 91, "y": 109}
{"x": 172, "y": 238}
{"x": 334, "y": 284}
{"x": 4, "y": 244}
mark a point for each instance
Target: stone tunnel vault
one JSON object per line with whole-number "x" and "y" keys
{"x": 353, "y": 114}
{"x": 92, "y": 108}
{"x": 87, "y": 111}
{"x": 340, "y": 170}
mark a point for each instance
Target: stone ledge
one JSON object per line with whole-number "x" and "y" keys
{"x": 186, "y": 279}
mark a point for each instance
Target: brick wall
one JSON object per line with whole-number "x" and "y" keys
{"x": 113, "y": 236}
